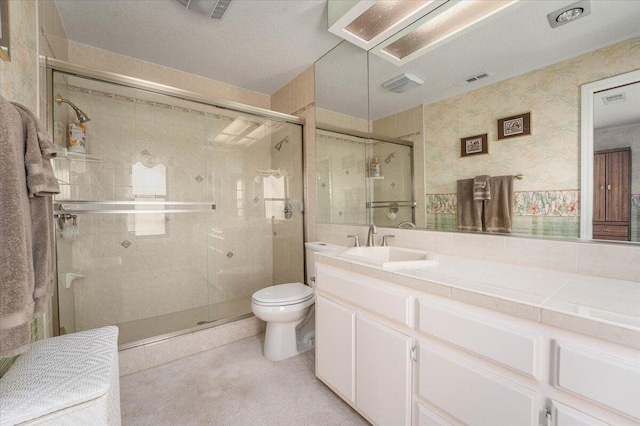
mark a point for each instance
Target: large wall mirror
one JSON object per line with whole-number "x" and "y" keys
{"x": 512, "y": 66}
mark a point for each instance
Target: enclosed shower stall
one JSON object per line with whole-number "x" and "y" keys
{"x": 178, "y": 209}
{"x": 363, "y": 179}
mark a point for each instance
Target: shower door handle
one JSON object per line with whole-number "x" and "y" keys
{"x": 288, "y": 210}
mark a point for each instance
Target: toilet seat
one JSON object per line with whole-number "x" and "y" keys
{"x": 283, "y": 295}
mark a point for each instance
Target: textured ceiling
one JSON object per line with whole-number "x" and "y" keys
{"x": 258, "y": 45}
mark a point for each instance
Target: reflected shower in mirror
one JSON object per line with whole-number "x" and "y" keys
{"x": 484, "y": 75}
{"x": 363, "y": 180}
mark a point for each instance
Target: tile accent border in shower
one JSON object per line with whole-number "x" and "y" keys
{"x": 155, "y": 104}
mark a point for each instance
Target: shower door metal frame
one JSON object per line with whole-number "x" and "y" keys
{"x": 49, "y": 65}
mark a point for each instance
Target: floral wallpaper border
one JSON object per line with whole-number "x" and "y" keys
{"x": 527, "y": 203}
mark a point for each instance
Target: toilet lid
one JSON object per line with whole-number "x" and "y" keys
{"x": 283, "y": 294}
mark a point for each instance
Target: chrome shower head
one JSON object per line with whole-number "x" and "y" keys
{"x": 278, "y": 146}
{"x": 82, "y": 117}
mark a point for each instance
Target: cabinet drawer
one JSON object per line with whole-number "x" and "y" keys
{"x": 611, "y": 230}
{"x": 512, "y": 347}
{"x": 372, "y": 294}
{"x": 567, "y": 416}
{"x": 471, "y": 394}
{"x": 608, "y": 380}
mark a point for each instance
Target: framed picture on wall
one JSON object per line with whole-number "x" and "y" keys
{"x": 5, "y": 34}
{"x": 474, "y": 145}
{"x": 518, "y": 125}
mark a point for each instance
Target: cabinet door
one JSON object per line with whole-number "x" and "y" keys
{"x": 383, "y": 373}
{"x": 599, "y": 187}
{"x": 335, "y": 346}
{"x": 618, "y": 190}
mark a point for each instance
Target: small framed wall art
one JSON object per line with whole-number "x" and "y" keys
{"x": 474, "y": 145}
{"x": 5, "y": 34}
{"x": 518, "y": 125}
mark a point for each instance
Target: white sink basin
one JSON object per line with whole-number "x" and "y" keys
{"x": 391, "y": 257}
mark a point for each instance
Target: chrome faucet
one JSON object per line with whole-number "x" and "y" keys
{"x": 384, "y": 240}
{"x": 372, "y": 230}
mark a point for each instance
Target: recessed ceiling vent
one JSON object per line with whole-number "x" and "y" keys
{"x": 214, "y": 9}
{"x": 477, "y": 77}
{"x": 473, "y": 78}
{"x": 615, "y": 98}
{"x": 402, "y": 83}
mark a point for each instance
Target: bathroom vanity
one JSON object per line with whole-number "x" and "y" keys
{"x": 478, "y": 343}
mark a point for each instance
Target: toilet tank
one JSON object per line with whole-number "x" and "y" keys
{"x": 313, "y": 247}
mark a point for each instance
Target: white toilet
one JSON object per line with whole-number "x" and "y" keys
{"x": 284, "y": 306}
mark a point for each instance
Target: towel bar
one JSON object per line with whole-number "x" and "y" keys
{"x": 58, "y": 210}
{"x": 387, "y": 204}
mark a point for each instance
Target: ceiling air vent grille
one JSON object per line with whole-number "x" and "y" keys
{"x": 402, "y": 83}
{"x": 214, "y": 9}
{"x": 612, "y": 99}
{"x": 472, "y": 79}
{"x": 477, "y": 77}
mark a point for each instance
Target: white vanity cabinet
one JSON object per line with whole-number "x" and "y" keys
{"x": 403, "y": 356}
{"x": 459, "y": 386}
{"x": 365, "y": 361}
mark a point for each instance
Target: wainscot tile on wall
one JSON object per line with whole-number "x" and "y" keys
{"x": 609, "y": 260}
{"x": 555, "y": 255}
{"x": 540, "y": 213}
{"x": 485, "y": 247}
{"x": 590, "y": 258}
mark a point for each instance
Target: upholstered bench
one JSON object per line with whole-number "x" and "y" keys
{"x": 65, "y": 380}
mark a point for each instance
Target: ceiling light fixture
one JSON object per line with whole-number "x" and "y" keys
{"x": 402, "y": 83}
{"x": 569, "y": 13}
{"x": 451, "y": 19}
{"x": 214, "y": 9}
{"x": 366, "y": 23}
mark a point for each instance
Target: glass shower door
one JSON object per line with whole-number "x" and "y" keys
{"x": 138, "y": 243}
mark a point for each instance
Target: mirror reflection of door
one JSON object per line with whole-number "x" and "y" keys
{"x": 616, "y": 180}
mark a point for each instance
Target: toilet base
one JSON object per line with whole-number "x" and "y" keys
{"x": 280, "y": 340}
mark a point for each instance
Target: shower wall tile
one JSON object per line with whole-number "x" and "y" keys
{"x": 221, "y": 335}
{"x": 131, "y": 360}
{"x": 153, "y": 354}
{"x": 169, "y": 350}
{"x": 187, "y": 267}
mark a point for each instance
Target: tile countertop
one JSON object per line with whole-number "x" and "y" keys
{"x": 605, "y": 308}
